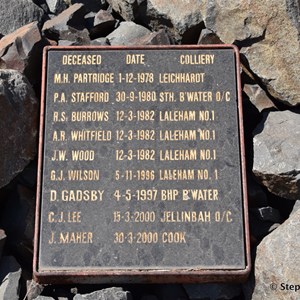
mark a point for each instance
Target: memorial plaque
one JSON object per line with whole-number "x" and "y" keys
{"x": 141, "y": 166}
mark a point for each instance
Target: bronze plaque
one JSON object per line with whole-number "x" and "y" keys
{"x": 141, "y": 173}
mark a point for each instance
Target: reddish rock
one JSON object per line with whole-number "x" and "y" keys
{"x": 258, "y": 97}
{"x": 22, "y": 51}
{"x": 72, "y": 17}
{"x": 104, "y": 24}
{"x": 160, "y": 37}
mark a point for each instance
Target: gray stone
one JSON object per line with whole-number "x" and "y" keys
{"x": 100, "y": 42}
{"x": 17, "y": 13}
{"x": 160, "y": 37}
{"x": 113, "y": 293}
{"x": 22, "y": 51}
{"x": 183, "y": 19}
{"x": 276, "y": 154}
{"x": 128, "y": 9}
{"x": 2, "y": 241}
{"x": 293, "y": 9}
{"x": 33, "y": 289}
{"x": 277, "y": 262}
{"x": 18, "y": 123}
{"x": 74, "y": 37}
{"x": 296, "y": 206}
{"x": 207, "y": 37}
{"x": 126, "y": 33}
{"x": 44, "y": 298}
{"x": 73, "y": 17}
{"x": 259, "y": 97}
{"x": 10, "y": 274}
{"x": 212, "y": 291}
{"x": 269, "y": 39}
{"x": 57, "y": 6}
{"x": 104, "y": 24}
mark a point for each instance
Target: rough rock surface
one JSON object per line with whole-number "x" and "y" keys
{"x": 18, "y": 123}
{"x": 277, "y": 262}
{"x": 72, "y": 17}
{"x": 277, "y": 154}
{"x": 208, "y": 37}
{"x": 104, "y": 24}
{"x": 106, "y": 294}
{"x": 182, "y": 18}
{"x": 22, "y": 51}
{"x": 269, "y": 37}
{"x": 56, "y": 6}
{"x": 258, "y": 97}
{"x": 160, "y": 37}
{"x": 17, "y": 13}
{"x": 10, "y": 273}
{"x": 126, "y": 33}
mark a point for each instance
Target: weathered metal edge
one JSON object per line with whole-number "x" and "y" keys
{"x": 143, "y": 276}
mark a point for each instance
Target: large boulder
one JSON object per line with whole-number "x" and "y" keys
{"x": 277, "y": 262}
{"x": 182, "y": 19}
{"x": 276, "y": 154}
{"x": 18, "y": 124}
{"x": 127, "y": 33}
{"x": 269, "y": 38}
{"x": 17, "y": 13}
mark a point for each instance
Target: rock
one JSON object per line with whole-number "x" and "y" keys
{"x": 56, "y": 6}
{"x": 296, "y": 206}
{"x": 160, "y": 37}
{"x": 18, "y": 123}
{"x": 207, "y": 37}
{"x": 44, "y": 298}
{"x": 17, "y": 13}
{"x": 22, "y": 51}
{"x": 269, "y": 38}
{"x": 113, "y": 293}
{"x": 293, "y": 9}
{"x": 276, "y": 154}
{"x": 2, "y": 241}
{"x": 212, "y": 291}
{"x": 126, "y": 33}
{"x": 182, "y": 19}
{"x": 33, "y": 289}
{"x": 130, "y": 10}
{"x": 74, "y": 37}
{"x": 100, "y": 42}
{"x": 104, "y": 24}
{"x": 277, "y": 262}
{"x": 258, "y": 97}
{"x": 10, "y": 274}
{"x": 73, "y": 17}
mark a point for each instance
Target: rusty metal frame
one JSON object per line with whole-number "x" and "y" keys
{"x": 91, "y": 276}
